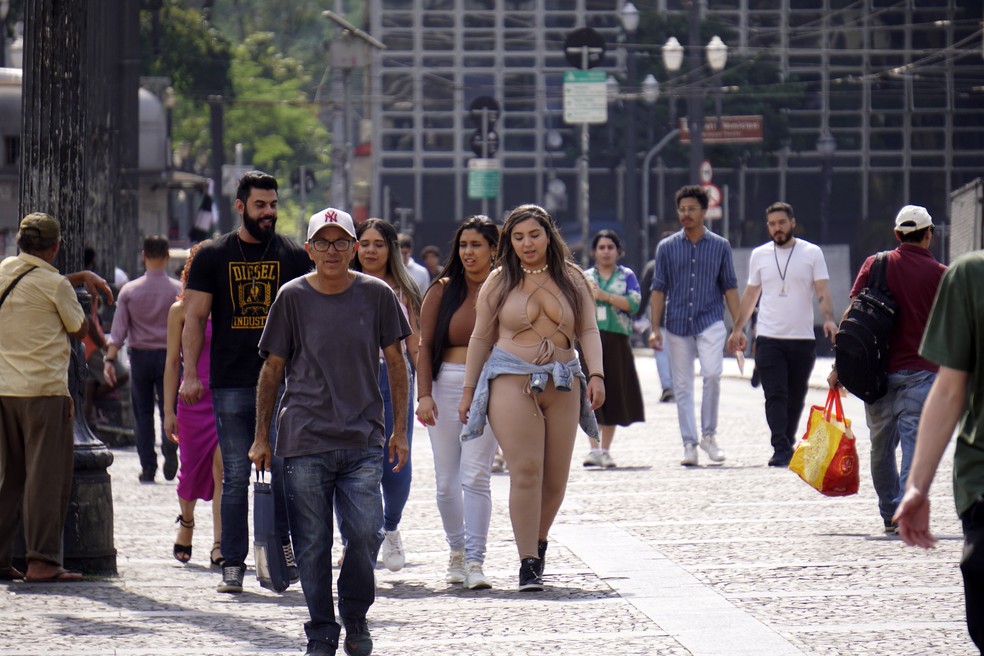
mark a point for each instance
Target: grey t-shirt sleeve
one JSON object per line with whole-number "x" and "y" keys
{"x": 278, "y": 337}
{"x": 393, "y": 324}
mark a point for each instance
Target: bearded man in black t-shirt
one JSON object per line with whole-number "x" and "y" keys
{"x": 235, "y": 279}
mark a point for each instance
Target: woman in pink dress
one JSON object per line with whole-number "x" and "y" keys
{"x": 192, "y": 427}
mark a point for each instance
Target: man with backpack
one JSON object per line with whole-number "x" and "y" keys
{"x": 912, "y": 275}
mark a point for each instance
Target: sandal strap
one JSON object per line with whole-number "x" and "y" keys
{"x": 184, "y": 524}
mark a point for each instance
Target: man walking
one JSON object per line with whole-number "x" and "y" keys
{"x": 38, "y": 311}
{"x": 783, "y": 276}
{"x": 694, "y": 278}
{"x": 325, "y": 331}
{"x": 141, "y": 317}
{"x": 420, "y": 274}
{"x": 953, "y": 339}
{"x": 912, "y": 277}
{"x": 235, "y": 279}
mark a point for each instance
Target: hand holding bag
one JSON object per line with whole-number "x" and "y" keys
{"x": 827, "y": 457}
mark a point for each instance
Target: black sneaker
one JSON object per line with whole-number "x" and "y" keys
{"x": 232, "y": 578}
{"x": 170, "y": 460}
{"x": 529, "y": 579}
{"x": 891, "y": 528}
{"x": 358, "y": 642}
{"x": 756, "y": 378}
{"x": 147, "y": 476}
{"x": 293, "y": 576}
{"x": 666, "y": 396}
{"x": 541, "y": 549}
{"x": 780, "y": 459}
{"x": 320, "y": 648}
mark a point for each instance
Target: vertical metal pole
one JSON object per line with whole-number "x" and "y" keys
{"x": 485, "y": 153}
{"x": 218, "y": 161}
{"x": 583, "y": 184}
{"x": 304, "y": 211}
{"x": 632, "y": 218}
{"x": 695, "y": 100}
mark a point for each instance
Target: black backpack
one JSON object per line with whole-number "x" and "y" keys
{"x": 861, "y": 344}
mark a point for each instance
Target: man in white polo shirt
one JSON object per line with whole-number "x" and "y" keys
{"x": 783, "y": 276}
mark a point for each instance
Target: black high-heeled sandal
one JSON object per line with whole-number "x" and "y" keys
{"x": 182, "y": 552}
{"x": 216, "y": 555}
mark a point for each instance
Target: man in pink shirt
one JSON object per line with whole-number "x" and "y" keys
{"x": 141, "y": 318}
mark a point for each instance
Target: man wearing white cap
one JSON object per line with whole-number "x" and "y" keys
{"x": 324, "y": 331}
{"x": 912, "y": 277}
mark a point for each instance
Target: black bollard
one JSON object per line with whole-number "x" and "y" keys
{"x": 88, "y": 536}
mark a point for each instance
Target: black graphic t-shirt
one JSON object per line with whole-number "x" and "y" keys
{"x": 243, "y": 280}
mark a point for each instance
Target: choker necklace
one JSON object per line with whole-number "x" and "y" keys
{"x": 239, "y": 240}
{"x": 532, "y": 271}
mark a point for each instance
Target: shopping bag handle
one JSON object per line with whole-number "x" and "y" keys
{"x": 261, "y": 475}
{"x": 834, "y": 404}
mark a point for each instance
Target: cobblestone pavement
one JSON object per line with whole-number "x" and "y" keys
{"x": 647, "y": 558}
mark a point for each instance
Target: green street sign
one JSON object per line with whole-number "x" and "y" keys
{"x": 483, "y": 178}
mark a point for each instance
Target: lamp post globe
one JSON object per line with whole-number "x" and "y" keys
{"x": 630, "y": 18}
{"x": 717, "y": 54}
{"x": 650, "y": 89}
{"x": 672, "y": 55}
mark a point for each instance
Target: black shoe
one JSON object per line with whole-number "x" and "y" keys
{"x": 891, "y": 528}
{"x": 358, "y": 642}
{"x": 232, "y": 578}
{"x": 756, "y": 379}
{"x": 667, "y": 396}
{"x": 780, "y": 459}
{"x": 170, "y": 460}
{"x": 320, "y": 648}
{"x": 541, "y": 549}
{"x": 293, "y": 576}
{"x": 147, "y": 476}
{"x": 529, "y": 580}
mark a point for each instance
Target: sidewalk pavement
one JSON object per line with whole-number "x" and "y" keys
{"x": 648, "y": 558}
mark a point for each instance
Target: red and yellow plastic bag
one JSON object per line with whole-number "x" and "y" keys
{"x": 827, "y": 457}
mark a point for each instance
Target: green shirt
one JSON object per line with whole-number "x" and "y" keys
{"x": 622, "y": 283}
{"x": 954, "y": 338}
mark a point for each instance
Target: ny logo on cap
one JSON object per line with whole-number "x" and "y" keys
{"x": 331, "y": 216}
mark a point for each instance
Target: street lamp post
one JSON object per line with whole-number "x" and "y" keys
{"x": 630, "y": 23}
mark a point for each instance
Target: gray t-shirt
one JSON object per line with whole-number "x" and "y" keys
{"x": 331, "y": 343}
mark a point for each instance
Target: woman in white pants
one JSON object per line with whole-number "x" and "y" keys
{"x": 447, "y": 317}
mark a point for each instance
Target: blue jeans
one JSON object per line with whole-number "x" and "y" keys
{"x": 893, "y": 420}
{"x": 663, "y": 366}
{"x": 146, "y": 381}
{"x": 708, "y": 347}
{"x": 235, "y": 422}
{"x": 350, "y": 479}
{"x": 396, "y": 487}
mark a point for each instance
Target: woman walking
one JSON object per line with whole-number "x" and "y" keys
{"x": 379, "y": 256}
{"x": 617, "y": 297}
{"x": 523, "y": 373}
{"x": 462, "y": 470}
{"x": 192, "y": 427}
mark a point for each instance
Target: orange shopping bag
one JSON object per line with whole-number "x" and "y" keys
{"x": 826, "y": 457}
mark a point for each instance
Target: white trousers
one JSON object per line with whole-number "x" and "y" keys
{"x": 708, "y": 348}
{"x": 462, "y": 470}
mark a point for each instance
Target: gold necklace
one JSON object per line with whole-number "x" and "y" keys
{"x": 239, "y": 240}
{"x": 533, "y": 271}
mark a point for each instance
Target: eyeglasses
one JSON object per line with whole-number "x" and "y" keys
{"x": 322, "y": 245}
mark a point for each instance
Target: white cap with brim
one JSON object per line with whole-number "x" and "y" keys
{"x": 912, "y": 218}
{"x": 330, "y": 217}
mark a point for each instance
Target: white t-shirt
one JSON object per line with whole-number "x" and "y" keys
{"x": 787, "y": 277}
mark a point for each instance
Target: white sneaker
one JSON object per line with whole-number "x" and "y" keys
{"x": 593, "y": 459}
{"x": 709, "y": 444}
{"x": 689, "y": 455}
{"x": 456, "y": 567}
{"x": 606, "y": 460}
{"x": 392, "y": 551}
{"x": 475, "y": 577}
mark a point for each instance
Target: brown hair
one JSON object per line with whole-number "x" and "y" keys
{"x": 187, "y": 266}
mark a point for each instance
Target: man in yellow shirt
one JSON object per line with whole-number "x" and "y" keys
{"x": 38, "y": 312}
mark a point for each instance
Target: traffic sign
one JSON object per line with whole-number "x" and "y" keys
{"x": 483, "y": 178}
{"x": 706, "y": 172}
{"x": 585, "y": 97}
{"x": 581, "y": 40}
{"x": 491, "y": 141}
{"x": 484, "y": 103}
{"x": 713, "y": 195}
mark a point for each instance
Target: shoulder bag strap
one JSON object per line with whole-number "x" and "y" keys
{"x": 11, "y": 286}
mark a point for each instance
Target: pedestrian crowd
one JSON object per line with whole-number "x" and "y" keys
{"x": 305, "y": 362}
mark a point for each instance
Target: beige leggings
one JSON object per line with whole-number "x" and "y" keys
{"x": 538, "y": 444}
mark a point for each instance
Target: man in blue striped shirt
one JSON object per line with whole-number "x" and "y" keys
{"x": 694, "y": 278}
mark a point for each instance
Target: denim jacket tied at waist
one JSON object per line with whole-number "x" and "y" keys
{"x": 503, "y": 362}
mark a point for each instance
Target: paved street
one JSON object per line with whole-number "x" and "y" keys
{"x": 648, "y": 558}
